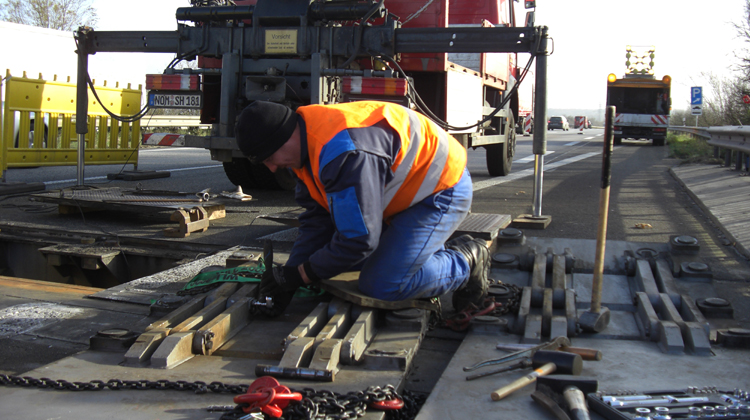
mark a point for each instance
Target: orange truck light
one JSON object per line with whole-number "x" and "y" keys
{"x": 171, "y": 82}
{"x": 375, "y": 86}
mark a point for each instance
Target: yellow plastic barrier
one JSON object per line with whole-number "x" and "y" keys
{"x": 32, "y": 103}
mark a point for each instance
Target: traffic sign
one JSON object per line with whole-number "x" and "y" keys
{"x": 696, "y": 95}
{"x": 697, "y": 109}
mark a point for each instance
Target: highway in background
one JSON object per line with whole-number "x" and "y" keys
{"x": 647, "y": 204}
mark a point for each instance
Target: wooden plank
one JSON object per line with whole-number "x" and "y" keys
{"x": 213, "y": 335}
{"x": 359, "y": 337}
{"x": 311, "y": 325}
{"x": 144, "y": 347}
{"x": 337, "y": 325}
{"x": 298, "y": 354}
{"x": 46, "y": 286}
{"x": 327, "y": 355}
{"x": 180, "y": 314}
{"x": 176, "y": 349}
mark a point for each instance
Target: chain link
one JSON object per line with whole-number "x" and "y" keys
{"x": 199, "y": 387}
{"x": 315, "y": 405}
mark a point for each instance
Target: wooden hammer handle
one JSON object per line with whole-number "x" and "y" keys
{"x": 586, "y": 354}
{"x": 519, "y": 383}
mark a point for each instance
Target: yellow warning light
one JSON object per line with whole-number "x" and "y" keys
{"x": 612, "y": 78}
{"x": 666, "y": 79}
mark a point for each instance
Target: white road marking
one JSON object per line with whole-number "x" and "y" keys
{"x": 530, "y": 158}
{"x": 480, "y": 185}
{"x": 573, "y": 143}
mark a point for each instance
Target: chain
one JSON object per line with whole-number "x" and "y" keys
{"x": 199, "y": 387}
{"x": 315, "y": 405}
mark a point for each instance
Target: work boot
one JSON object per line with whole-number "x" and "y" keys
{"x": 453, "y": 242}
{"x": 474, "y": 290}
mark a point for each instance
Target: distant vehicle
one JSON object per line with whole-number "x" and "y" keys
{"x": 642, "y": 103}
{"x": 558, "y": 122}
{"x": 582, "y": 122}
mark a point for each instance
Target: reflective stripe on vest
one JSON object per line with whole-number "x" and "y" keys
{"x": 428, "y": 161}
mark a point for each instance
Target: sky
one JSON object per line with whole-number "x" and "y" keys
{"x": 589, "y": 39}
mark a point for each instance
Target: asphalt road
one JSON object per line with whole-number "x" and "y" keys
{"x": 646, "y": 203}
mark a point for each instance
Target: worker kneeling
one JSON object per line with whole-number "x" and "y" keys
{"x": 383, "y": 189}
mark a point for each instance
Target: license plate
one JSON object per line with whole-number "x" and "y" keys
{"x": 177, "y": 99}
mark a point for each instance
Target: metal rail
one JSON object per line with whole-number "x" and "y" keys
{"x": 150, "y": 121}
{"x": 694, "y": 131}
{"x": 734, "y": 138}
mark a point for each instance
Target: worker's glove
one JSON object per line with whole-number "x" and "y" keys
{"x": 276, "y": 280}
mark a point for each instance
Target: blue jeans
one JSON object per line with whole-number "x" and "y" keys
{"x": 411, "y": 260}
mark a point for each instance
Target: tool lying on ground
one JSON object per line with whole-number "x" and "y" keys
{"x": 586, "y": 354}
{"x": 561, "y": 393}
{"x": 566, "y": 363}
{"x": 545, "y": 362}
{"x": 552, "y": 345}
{"x": 693, "y": 402}
{"x": 266, "y": 395}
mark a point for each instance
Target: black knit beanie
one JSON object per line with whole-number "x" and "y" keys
{"x": 262, "y": 128}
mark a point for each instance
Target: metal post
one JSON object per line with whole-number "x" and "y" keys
{"x": 540, "y": 122}
{"x": 82, "y": 101}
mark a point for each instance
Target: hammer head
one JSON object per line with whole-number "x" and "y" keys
{"x": 558, "y": 383}
{"x": 568, "y": 363}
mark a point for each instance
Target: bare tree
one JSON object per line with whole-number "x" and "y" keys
{"x": 724, "y": 106}
{"x": 743, "y": 32}
{"x": 64, "y": 15}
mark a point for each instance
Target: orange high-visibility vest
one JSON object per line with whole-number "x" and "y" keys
{"x": 429, "y": 160}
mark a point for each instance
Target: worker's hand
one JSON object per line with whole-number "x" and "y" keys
{"x": 277, "y": 280}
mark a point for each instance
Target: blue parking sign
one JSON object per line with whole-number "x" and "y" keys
{"x": 696, "y": 95}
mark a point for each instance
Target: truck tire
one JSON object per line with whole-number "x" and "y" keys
{"x": 500, "y": 156}
{"x": 243, "y": 173}
{"x": 617, "y": 141}
{"x": 239, "y": 173}
{"x": 267, "y": 180}
{"x": 31, "y": 136}
{"x": 658, "y": 142}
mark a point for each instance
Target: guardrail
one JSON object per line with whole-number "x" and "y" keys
{"x": 728, "y": 138}
{"x": 177, "y": 121}
{"x": 701, "y": 132}
{"x": 38, "y": 125}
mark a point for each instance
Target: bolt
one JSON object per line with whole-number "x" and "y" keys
{"x": 686, "y": 240}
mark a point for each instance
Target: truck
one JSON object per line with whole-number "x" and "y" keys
{"x": 300, "y": 52}
{"x": 642, "y": 101}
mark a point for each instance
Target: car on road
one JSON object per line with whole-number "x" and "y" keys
{"x": 558, "y": 122}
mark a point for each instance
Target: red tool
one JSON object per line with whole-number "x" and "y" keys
{"x": 265, "y": 394}
{"x": 385, "y": 405}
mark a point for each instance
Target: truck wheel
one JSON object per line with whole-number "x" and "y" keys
{"x": 267, "y": 180}
{"x": 239, "y": 173}
{"x": 31, "y": 136}
{"x": 658, "y": 142}
{"x": 617, "y": 141}
{"x": 248, "y": 176}
{"x": 500, "y": 156}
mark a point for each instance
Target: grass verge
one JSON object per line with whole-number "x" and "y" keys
{"x": 690, "y": 150}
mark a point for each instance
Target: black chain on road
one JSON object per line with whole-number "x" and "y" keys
{"x": 315, "y": 405}
{"x": 199, "y": 387}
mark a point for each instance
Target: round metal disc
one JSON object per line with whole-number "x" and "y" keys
{"x": 697, "y": 266}
{"x": 686, "y": 240}
{"x": 114, "y": 332}
{"x": 646, "y": 252}
{"x": 511, "y": 232}
{"x": 503, "y": 258}
{"x": 716, "y": 302}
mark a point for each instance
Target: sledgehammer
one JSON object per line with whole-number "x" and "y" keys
{"x": 544, "y": 362}
{"x": 596, "y": 318}
{"x": 556, "y": 391}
